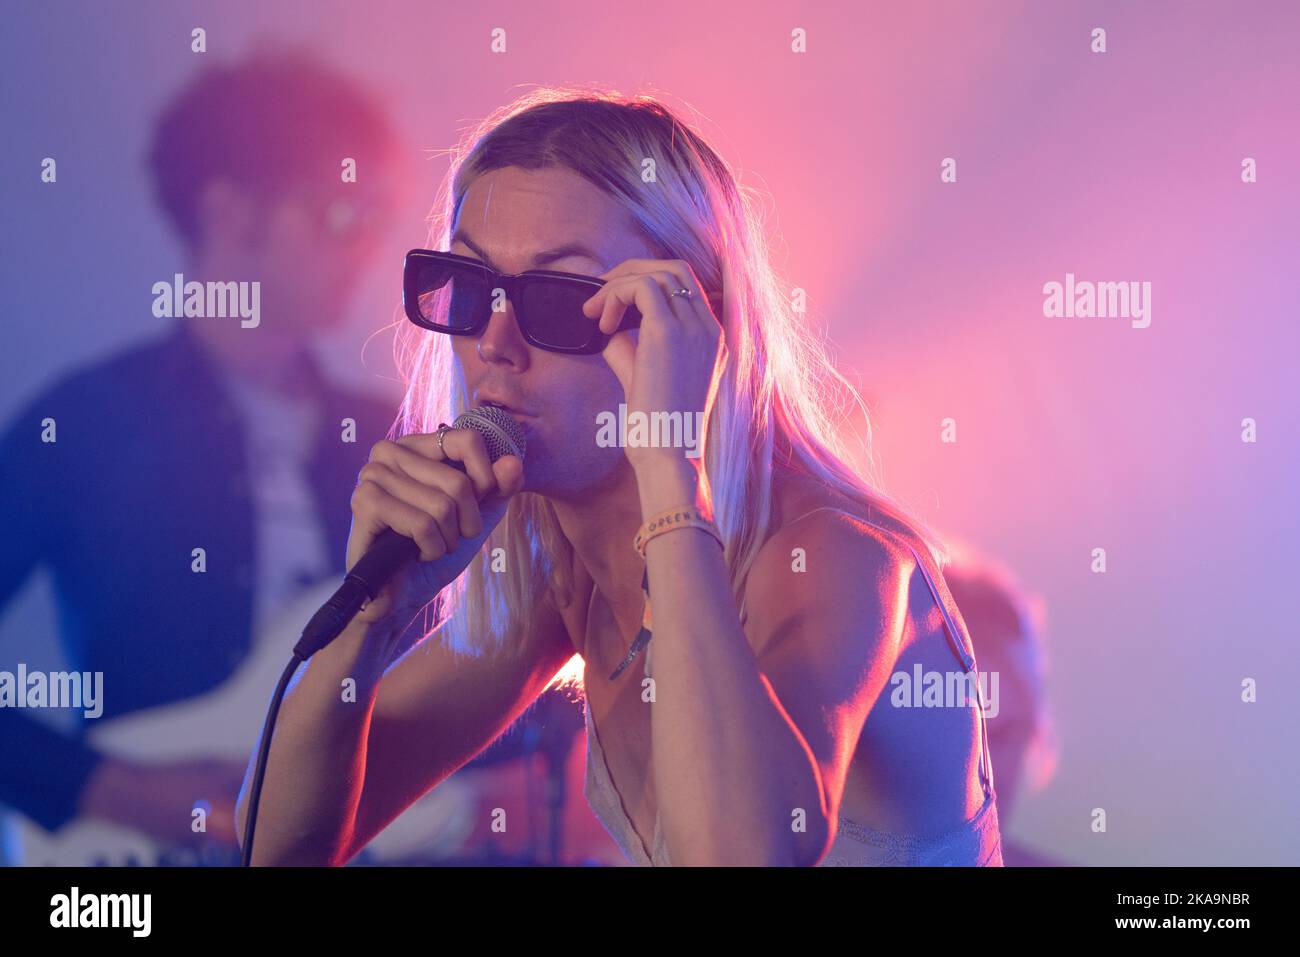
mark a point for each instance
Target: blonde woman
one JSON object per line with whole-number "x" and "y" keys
{"x": 760, "y": 725}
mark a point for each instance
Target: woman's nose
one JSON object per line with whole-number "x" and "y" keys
{"x": 501, "y": 340}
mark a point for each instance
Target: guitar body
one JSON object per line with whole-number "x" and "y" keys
{"x": 225, "y": 723}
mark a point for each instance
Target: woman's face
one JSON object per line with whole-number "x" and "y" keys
{"x": 516, "y": 219}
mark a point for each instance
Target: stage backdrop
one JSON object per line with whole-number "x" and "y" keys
{"x": 932, "y": 167}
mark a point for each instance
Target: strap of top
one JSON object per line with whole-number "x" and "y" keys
{"x": 955, "y": 635}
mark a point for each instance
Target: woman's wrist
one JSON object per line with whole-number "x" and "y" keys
{"x": 666, "y": 482}
{"x": 360, "y": 652}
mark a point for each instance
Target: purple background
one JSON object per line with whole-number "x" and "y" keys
{"x": 1072, "y": 433}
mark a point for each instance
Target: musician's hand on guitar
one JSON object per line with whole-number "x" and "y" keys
{"x": 408, "y": 486}
{"x": 159, "y": 799}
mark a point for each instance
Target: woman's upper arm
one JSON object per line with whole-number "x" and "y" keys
{"x": 825, "y": 623}
{"x": 436, "y": 709}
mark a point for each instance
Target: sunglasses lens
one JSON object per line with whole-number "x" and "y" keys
{"x": 553, "y": 309}
{"x": 463, "y": 288}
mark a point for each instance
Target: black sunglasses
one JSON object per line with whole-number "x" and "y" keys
{"x": 547, "y": 304}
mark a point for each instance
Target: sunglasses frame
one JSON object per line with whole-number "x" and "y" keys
{"x": 514, "y": 286}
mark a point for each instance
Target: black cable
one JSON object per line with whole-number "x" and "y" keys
{"x": 389, "y": 553}
{"x": 255, "y": 792}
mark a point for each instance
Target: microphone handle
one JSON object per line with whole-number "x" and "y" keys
{"x": 385, "y": 557}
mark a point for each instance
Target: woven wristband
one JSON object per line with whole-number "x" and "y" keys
{"x": 683, "y": 516}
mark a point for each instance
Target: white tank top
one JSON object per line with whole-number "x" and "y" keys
{"x": 976, "y": 842}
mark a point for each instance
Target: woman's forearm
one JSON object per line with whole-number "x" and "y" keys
{"x": 729, "y": 768}
{"x": 316, "y": 767}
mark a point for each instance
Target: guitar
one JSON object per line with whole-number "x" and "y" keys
{"x": 225, "y": 723}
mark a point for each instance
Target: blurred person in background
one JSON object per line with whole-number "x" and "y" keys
{"x": 210, "y": 435}
{"x": 1007, "y": 626}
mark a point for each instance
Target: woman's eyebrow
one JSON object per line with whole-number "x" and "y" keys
{"x": 541, "y": 259}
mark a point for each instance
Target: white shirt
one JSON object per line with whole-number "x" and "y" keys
{"x": 292, "y": 552}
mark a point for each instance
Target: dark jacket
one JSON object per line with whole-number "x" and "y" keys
{"x": 149, "y": 463}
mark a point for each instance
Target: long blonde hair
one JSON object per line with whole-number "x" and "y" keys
{"x": 776, "y": 400}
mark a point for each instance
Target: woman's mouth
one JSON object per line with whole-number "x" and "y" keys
{"x": 517, "y": 413}
{"x": 513, "y": 411}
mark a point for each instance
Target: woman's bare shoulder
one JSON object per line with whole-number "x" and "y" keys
{"x": 815, "y": 508}
{"x": 824, "y": 554}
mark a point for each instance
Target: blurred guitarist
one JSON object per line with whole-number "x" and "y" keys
{"x": 210, "y": 435}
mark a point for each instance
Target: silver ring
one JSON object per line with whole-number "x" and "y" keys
{"x": 682, "y": 292}
{"x": 443, "y": 429}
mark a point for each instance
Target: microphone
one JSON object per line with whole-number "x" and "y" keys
{"x": 502, "y": 435}
{"x": 391, "y": 550}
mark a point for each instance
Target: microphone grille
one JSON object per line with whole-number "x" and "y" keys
{"x": 502, "y": 435}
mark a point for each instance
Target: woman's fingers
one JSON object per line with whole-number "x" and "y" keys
{"x": 509, "y": 473}
{"x": 669, "y": 275}
{"x": 374, "y": 510}
{"x": 426, "y": 472}
{"x": 427, "y": 515}
{"x": 617, "y": 294}
{"x": 458, "y": 445}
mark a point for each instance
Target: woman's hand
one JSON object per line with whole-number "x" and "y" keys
{"x": 408, "y": 486}
{"x": 667, "y": 364}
